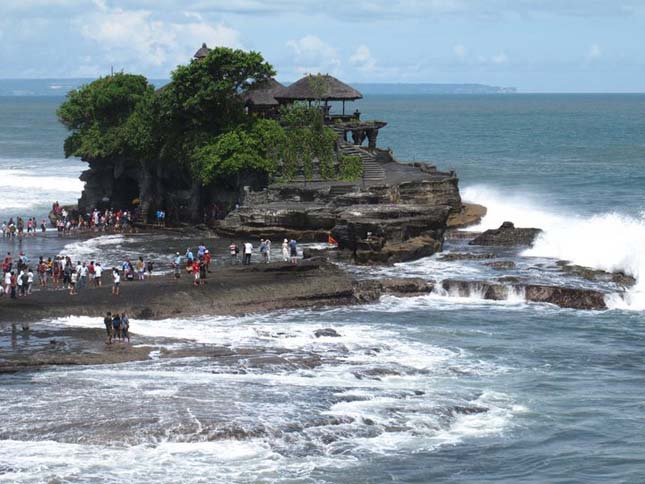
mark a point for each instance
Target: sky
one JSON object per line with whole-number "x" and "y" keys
{"x": 534, "y": 45}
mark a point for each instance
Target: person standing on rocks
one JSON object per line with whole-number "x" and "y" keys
{"x": 107, "y": 321}
{"x": 125, "y": 327}
{"x": 263, "y": 251}
{"x": 13, "y": 285}
{"x": 72, "y": 283}
{"x": 177, "y": 265}
{"x": 248, "y": 251}
{"x": 98, "y": 272}
{"x": 293, "y": 249}
{"x": 234, "y": 250}
{"x": 285, "y": 250}
{"x": 116, "y": 281}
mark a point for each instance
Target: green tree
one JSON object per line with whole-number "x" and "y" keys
{"x": 98, "y": 113}
{"x": 257, "y": 147}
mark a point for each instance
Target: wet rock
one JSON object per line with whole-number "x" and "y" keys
{"x": 619, "y": 278}
{"x": 510, "y": 280}
{"x": 454, "y": 256}
{"x": 326, "y": 333}
{"x": 508, "y": 236}
{"x": 375, "y": 373}
{"x": 502, "y": 264}
{"x": 461, "y": 234}
{"x": 470, "y": 214}
{"x": 457, "y": 409}
{"x": 566, "y": 297}
{"x": 411, "y": 286}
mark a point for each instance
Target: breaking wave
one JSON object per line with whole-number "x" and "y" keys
{"x": 610, "y": 241}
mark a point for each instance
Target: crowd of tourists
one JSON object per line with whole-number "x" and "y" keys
{"x": 20, "y": 228}
{"x": 108, "y": 220}
{"x": 61, "y": 273}
{"x": 21, "y": 276}
{"x": 289, "y": 251}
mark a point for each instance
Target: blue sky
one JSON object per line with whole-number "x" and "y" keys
{"x": 535, "y": 45}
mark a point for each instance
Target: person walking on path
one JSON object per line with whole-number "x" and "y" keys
{"x": 263, "y": 251}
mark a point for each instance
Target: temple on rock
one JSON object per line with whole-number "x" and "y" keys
{"x": 376, "y": 208}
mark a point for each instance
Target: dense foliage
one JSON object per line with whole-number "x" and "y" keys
{"x": 197, "y": 123}
{"x": 307, "y": 139}
{"x": 106, "y": 116}
{"x": 350, "y": 168}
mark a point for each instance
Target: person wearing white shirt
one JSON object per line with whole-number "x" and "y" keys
{"x": 248, "y": 251}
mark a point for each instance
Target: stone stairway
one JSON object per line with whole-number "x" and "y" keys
{"x": 142, "y": 213}
{"x": 373, "y": 171}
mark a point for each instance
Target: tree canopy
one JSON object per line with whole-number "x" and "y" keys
{"x": 197, "y": 123}
{"x": 100, "y": 115}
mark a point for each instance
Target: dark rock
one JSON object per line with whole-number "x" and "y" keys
{"x": 619, "y": 278}
{"x": 508, "y": 236}
{"x": 412, "y": 286}
{"x": 457, "y": 409}
{"x": 566, "y": 297}
{"x": 326, "y": 332}
{"x": 412, "y": 249}
{"x": 502, "y": 264}
{"x": 453, "y": 256}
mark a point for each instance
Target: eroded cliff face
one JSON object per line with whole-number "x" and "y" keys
{"x": 118, "y": 183}
{"x": 404, "y": 219}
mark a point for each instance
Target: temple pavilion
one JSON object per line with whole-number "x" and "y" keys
{"x": 265, "y": 100}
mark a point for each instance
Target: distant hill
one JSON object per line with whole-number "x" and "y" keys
{"x": 60, "y": 87}
{"x": 383, "y": 88}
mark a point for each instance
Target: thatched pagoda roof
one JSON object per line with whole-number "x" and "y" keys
{"x": 331, "y": 89}
{"x": 202, "y": 52}
{"x": 264, "y": 94}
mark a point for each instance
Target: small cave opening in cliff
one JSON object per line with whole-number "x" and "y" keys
{"x": 126, "y": 189}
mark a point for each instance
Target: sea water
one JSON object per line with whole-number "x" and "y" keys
{"x": 446, "y": 387}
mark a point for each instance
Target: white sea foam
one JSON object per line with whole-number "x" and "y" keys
{"x": 24, "y": 190}
{"x": 23, "y": 179}
{"x": 609, "y": 241}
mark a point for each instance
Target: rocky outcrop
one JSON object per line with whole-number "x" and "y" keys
{"x": 455, "y": 256}
{"x": 618, "y": 278}
{"x": 470, "y": 214}
{"x": 564, "y": 297}
{"x": 507, "y": 236}
{"x": 402, "y": 219}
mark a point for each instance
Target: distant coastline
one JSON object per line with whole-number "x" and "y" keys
{"x": 60, "y": 87}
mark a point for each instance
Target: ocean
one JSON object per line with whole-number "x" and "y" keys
{"x": 438, "y": 388}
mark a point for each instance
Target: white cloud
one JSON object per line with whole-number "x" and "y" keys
{"x": 459, "y": 50}
{"x": 362, "y": 59}
{"x": 594, "y": 52}
{"x": 131, "y": 38}
{"x": 499, "y": 58}
{"x": 312, "y": 55}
